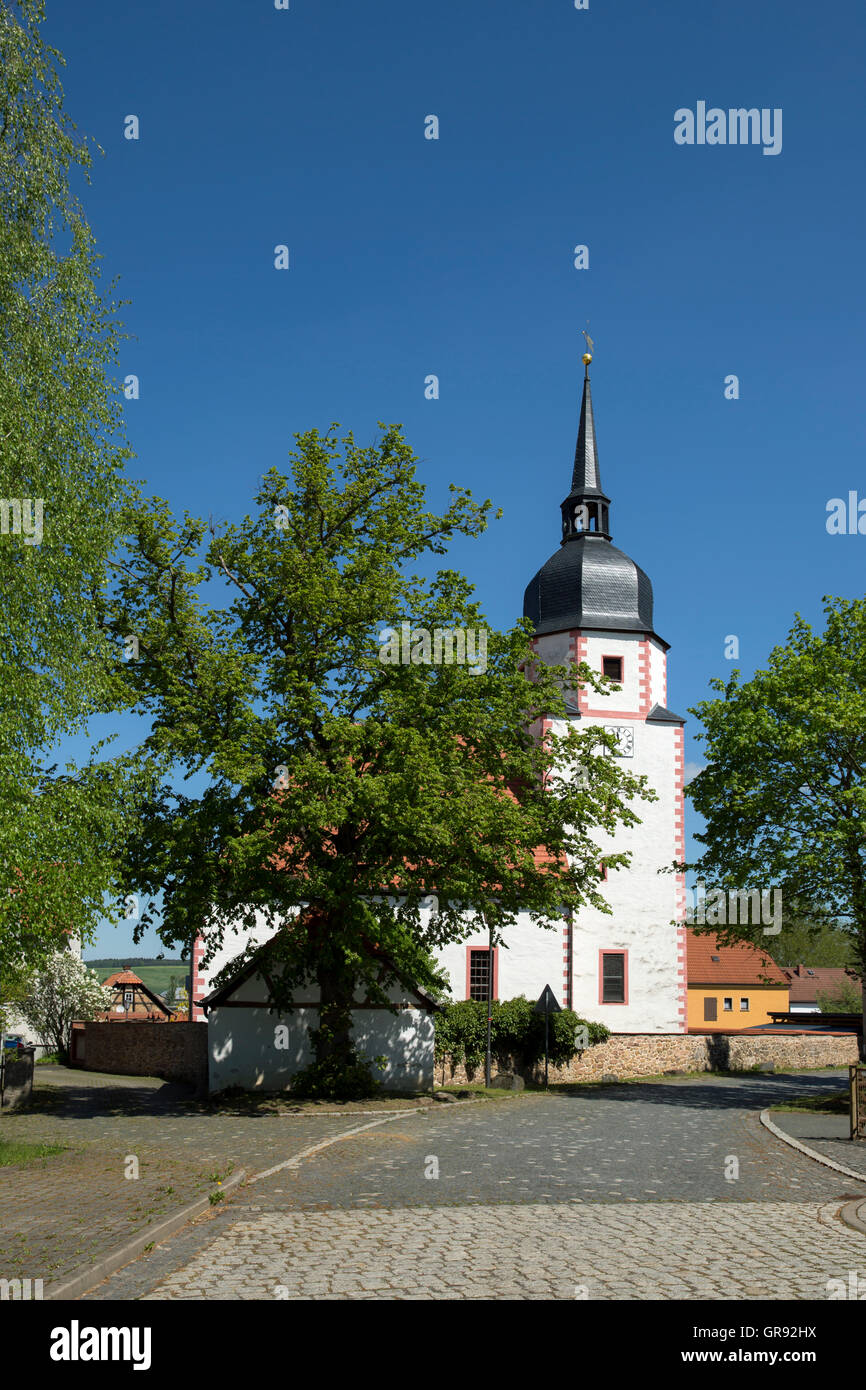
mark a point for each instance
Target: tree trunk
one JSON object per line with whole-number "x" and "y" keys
{"x": 334, "y": 1034}
{"x": 858, "y": 900}
{"x": 861, "y": 941}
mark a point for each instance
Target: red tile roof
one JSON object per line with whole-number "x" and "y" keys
{"x": 806, "y": 980}
{"x": 122, "y": 977}
{"x": 743, "y": 964}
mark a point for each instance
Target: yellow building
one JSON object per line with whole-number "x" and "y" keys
{"x": 731, "y": 987}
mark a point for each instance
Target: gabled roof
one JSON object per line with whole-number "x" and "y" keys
{"x": 709, "y": 963}
{"x": 258, "y": 964}
{"x": 123, "y": 977}
{"x": 126, "y": 978}
{"x": 806, "y": 980}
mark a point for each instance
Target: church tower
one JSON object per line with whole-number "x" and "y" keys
{"x": 590, "y": 602}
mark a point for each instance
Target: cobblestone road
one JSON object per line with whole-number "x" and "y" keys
{"x": 605, "y": 1251}
{"x": 661, "y": 1190}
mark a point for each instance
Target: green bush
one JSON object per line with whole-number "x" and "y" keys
{"x": 335, "y": 1079}
{"x": 516, "y": 1031}
{"x": 843, "y": 998}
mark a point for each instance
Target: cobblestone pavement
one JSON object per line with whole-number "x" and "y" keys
{"x": 666, "y": 1250}
{"x": 621, "y": 1191}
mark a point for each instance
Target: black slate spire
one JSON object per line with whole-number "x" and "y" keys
{"x": 586, "y": 509}
{"x": 588, "y": 584}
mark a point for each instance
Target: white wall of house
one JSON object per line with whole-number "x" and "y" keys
{"x": 235, "y": 940}
{"x": 15, "y": 1024}
{"x": 645, "y": 904}
{"x": 529, "y": 958}
{"x": 261, "y": 1051}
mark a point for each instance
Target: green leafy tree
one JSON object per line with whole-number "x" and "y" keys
{"x": 809, "y": 939}
{"x": 61, "y": 483}
{"x": 331, "y": 778}
{"x": 844, "y": 998}
{"x": 782, "y": 793}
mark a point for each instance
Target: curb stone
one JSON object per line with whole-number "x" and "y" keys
{"x": 853, "y": 1214}
{"x": 810, "y": 1153}
{"x": 123, "y": 1254}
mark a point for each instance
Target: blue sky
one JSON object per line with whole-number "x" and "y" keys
{"x": 455, "y": 257}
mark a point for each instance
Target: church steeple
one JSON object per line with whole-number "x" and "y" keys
{"x": 588, "y": 585}
{"x": 586, "y": 509}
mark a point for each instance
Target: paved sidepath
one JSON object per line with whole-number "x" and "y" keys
{"x": 61, "y": 1214}
{"x": 626, "y": 1191}
{"x": 826, "y": 1134}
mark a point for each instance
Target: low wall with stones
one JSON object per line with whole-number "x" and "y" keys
{"x": 174, "y": 1051}
{"x": 16, "y": 1077}
{"x": 649, "y": 1054}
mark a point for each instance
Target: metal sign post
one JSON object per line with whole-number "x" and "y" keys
{"x": 487, "y": 1051}
{"x": 547, "y": 1005}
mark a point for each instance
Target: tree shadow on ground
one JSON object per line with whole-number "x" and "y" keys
{"x": 78, "y": 1100}
{"x": 720, "y": 1091}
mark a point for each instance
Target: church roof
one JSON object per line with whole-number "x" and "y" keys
{"x": 659, "y": 715}
{"x": 588, "y": 582}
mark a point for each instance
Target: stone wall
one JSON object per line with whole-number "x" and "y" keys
{"x": 174, "y": 1051}
{"x": 16, "y": 1077}
{"x": 648, "y": 1054}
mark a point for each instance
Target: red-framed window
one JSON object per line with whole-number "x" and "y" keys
{"x": 613, "y": 977}
{"x": 478, "y": 972}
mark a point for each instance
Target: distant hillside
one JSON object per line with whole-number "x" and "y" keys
{"x": 156, "y": 974}
{"x": 118, "y": 962}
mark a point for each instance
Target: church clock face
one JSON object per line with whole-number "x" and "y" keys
{"x": 624, "y": 735}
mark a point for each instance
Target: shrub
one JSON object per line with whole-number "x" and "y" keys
{"x": 843, "y": 998}
{"x": 516, "y": 1031}
{"x": 334, "y": 1079}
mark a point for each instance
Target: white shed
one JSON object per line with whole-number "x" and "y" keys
{"x": 252, "y": 1046}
